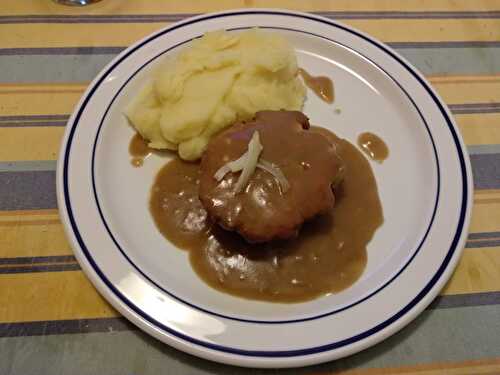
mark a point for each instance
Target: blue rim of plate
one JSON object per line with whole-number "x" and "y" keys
{"x": 282, "y": 353}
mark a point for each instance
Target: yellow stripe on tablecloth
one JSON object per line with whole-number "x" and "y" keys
{"x": 26, "y": 99}
{"x": 42, "y": 143}
{"x": 463, "y": 79}
{"x": 485, "y": 215}
{"x": 75, "y": 35}
{"x": 57, "y": 98}
{"x": 430, "y": 30}
{"x": 50, "y": 296}
{"x": 479, "y": 129}
{"x": 467, "y": 89}
{"x": 476, "y": 272}
{"x": 476, "y": 367}
{"x": 32, "y": 234}
{"x": 39, "y": 99}
{"x": 28, "y": 216}
{"x": 30, "y": 143}
{"x": 487, "y": 196}
{"x": 482, "y": 193}
{"x": 34, "y": 88}
{"x": 38, "y": 35}
{"x": 29, "y": 7}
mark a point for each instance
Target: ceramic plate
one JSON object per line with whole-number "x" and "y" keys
{"x": 425, "y": 188}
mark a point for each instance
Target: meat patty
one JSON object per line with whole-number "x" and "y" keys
{"x": 263, "y": 210}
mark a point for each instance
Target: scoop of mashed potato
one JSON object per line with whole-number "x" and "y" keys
{"x": 220, "y": 78}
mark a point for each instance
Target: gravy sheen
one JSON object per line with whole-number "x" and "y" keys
{"x": 373, "y": 146}
{"x": 138, "y": 150}
{"x": 328, "y": 255}
{"x": 322, "y": 86}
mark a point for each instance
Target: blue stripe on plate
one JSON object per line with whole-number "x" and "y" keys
{"x": 285, "y": 353}
{"x": 238, "y": 318}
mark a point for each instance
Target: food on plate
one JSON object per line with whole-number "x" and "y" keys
{"x": 329, "y": 253}
{"x": 276, "y": 210}
{"x": 322, "y": 86}
{"x": 373, "y": 146}
{"x": 218, "y": 79}
{"x": 138, "y": 150}
{"x": 286, "y": 177}
{"x": 144, "y": 113}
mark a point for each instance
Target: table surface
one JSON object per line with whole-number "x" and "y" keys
{"x": 52, "y": 320}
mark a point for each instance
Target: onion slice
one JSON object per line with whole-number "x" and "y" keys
{"x": 276, "y": 172}
{"x": 247, "y": 164}
{"x": 254, "y": 150}
{"x": 222, "y": 171}
{"x": 232, "y": 166}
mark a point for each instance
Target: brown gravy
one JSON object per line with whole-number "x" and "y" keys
{"x": 138, "y": 150}
{"x": 328, "y": 256}
{"x": 373, "y": 146}
{"x": 309, "y": 168}
{"x": 321, "y": 86}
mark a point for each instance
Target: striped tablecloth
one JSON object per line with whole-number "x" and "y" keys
{"x": 52, "y": 321}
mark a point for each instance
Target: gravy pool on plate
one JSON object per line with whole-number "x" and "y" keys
{"x": 322, "y": 86}
{"x": 373, "y": 146}
{"x": 328, "y": 256}
{"x": 138, "y": 150}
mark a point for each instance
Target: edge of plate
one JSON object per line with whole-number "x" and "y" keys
{"x": 250, "y": 361}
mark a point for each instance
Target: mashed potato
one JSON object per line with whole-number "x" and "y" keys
{"x": 220, "y": 78}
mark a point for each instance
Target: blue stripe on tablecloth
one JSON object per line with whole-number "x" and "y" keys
{"x": 106, "y": 50}
{"x": 28, "y": 166}
{"x": 483, "y": 235}
{"x": 483, "y": 239}
{"x": 57, "y": 64}
{"x": 37, "y": 260}
{"x": 484, "y": 243}
{"x": 439, "y": 335}
{"x": 55, "y": 263}
{"x": 101, "y": 18}
{"x": 33, "y": 120}
{"x": 28, "y": 190}
{"x": 56, "y": 327}
{"x": 174, "y": 17}
{"x": 61, "y": 51}
{"x": 486, "y": 171}
{"x": 29, "y": 185}
{"x": 39, "y": 268}
{"x": 470, "y": 108}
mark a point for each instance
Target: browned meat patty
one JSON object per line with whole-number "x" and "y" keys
{"x": 263, "y": 211}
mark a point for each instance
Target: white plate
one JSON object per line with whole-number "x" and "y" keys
{"x": 425, "y": 188}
